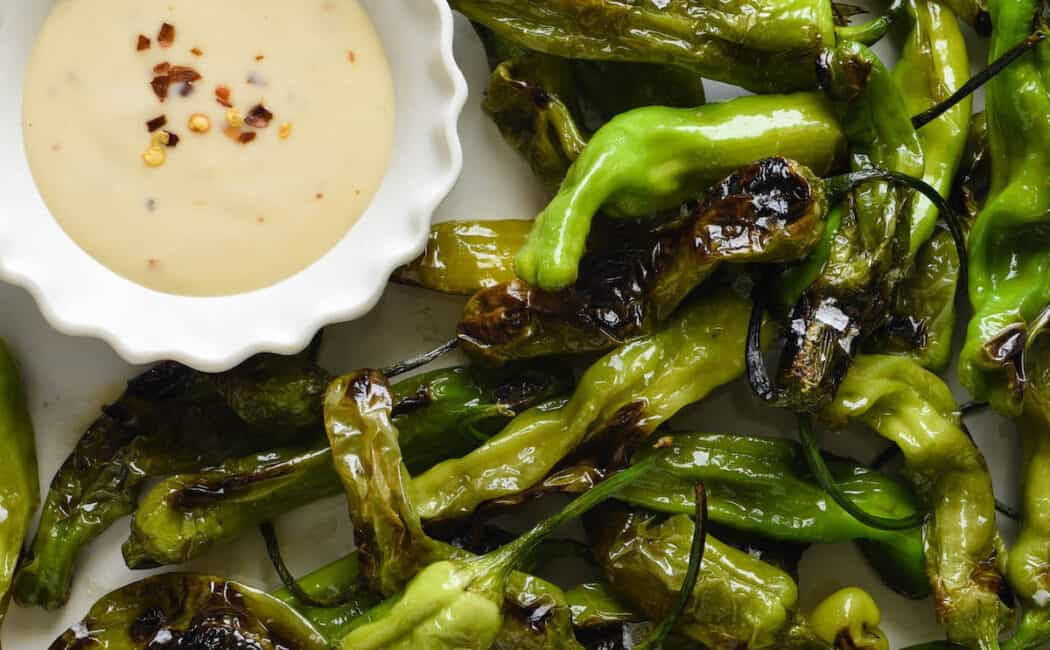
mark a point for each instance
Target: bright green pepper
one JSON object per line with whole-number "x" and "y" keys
{"x": 656, "y": 158}
{"x": 623, "y": 397}
{"x": 440, "y": 414}
{"x": 964, "y": 553}
{"x": 859, "y": 612}
{"x": 769, "y": 211}
{"x": 739, "y": 601}
{"x": 1009, "y": 266}
{"x": 19, "y": 486}
{"x": 766, "y": 47}
{"x": 762, "y": 486}
{"x": 849, "y": 297}
{"x": 181, "y": 610}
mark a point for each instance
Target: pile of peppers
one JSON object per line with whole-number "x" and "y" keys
{"x": 817, "y": 240}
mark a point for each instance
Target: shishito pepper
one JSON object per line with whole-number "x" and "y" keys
{"x": 847, "y": 296}
{"x": 739, "y": 600}
{"x": 762, "y": 486}
{"x": 655, "y": 159}
{"x": 768, "y": 211}
{"x": 440, "y": 414}
{"x": 180, "y": 610}
{"x": 915, "y": 409}
{"x": 1010, "y": 266}
{"x": 622, "y": 398}
{"x": 766, "y": 47}
{"x": 19, "y": 487}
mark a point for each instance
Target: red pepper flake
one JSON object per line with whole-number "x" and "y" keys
{"x": 182, "y": 74}
{"x": 197, "y": 51}
{"x": 244, "y": 137}
{"x": 259, "y": 57}
{"x": 222, "y": 95}
{"x": 259, "y": 117}
{"x": 352, "y": 56}
{"x": 319, "y": 196}
{"x": 166, "y": 36}
{"x": 173, "y": 140}
{"x": 156, "y": 123}
{"x": 260, "y": 219}
{"x": 143, "y": 44}
{"x": 160, "y": 86}
{"x": 161, "y": 68}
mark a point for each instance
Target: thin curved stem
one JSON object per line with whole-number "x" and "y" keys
{"x": 757, "y": 373}
{"x": 657, "y": 637}
{"x": 273, "y": 549}
{"x": 817, "y": 465}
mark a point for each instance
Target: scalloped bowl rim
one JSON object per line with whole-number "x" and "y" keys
{"x": 214, "y": 334}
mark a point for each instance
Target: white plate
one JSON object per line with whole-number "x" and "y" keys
{"x": 69, "y": 378}
{"x": 80, "y": 296}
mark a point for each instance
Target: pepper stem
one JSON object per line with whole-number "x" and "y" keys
{"x": 514, "y": 553}
{"x": 817, "y": 465}
{"x": 757, "y": 373}
{"x": 872, "y": 31}
{"x": 978, "y": 80}
{"x": 408, "y": 365}
{"x": 656, "y": 639}
{"x": 273, "y": 548}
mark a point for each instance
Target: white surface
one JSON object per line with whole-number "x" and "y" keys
{"x": 69, "y": 378}
{"x": 80, "y": 296}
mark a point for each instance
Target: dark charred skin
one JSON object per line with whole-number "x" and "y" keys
{"x": 770, "y": 211}
{"x": 1006, "y": 354}
{"x": 190, "y": 612}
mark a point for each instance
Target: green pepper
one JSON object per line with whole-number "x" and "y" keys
{"x": 19, "y": 487}
{"x": 964, "y": 554}
{"x": 623, "y": 397}
{"x": 169, "y": 419}
{"x": 739, "y": 601}
{"x": 656, "y": 158}
{"x": 765, "y": 47}
{"x": 340, "y": 581}
{"x": 1009, "y": 279}
{"x": 181, "y": 610}
{"x": 1030, "y": 556}
{"x": 440, "y": 414}
{"x": 768, "y": 211}
{"x": 923, "y": 321}
{"x": 762, "y": 486}
{"x": 849, "y": 297}
{"x": 465, "y": 257}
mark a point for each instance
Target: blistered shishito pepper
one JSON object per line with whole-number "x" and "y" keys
{"x": 769, "y": 211}
{"x": 19, "y": 485}
{"x": 655, "y": 159}
{"x": 915, "y": 409}
{"x": 763, "y": 486}
{"x": 622, "y": 398}
{"x": 440, "y": 414}
{"x": 1009, "y": 265}
{"x": 766, "y": 47}
{"x": 847, "y": 298}
{"x": 180, "y": 610}
{"x": 169, "y": 419}
{"x": 739, "y": 600}
{"x": 923, "y": 321}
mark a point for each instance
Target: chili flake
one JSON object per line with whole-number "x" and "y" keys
{"x": 143, "y": 44}
{"x": 182, "y": 73}
{"x": 160, "y": 86}
{"x": 166, "y": 36}
{"x": 197, "y": 51}
{"x": 157, "y": 123}
{"x": 222, "y": 95}
{"x": 162, "y": 68}
{"x": 259, "y": 117}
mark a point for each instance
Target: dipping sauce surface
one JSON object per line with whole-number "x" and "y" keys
{"x": 204, "y": 147}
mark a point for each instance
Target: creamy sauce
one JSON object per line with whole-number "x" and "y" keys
{"x": 212, "y": 215}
